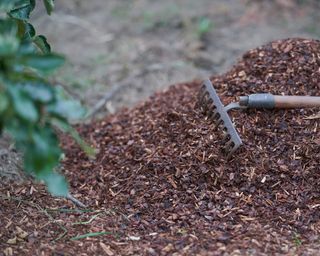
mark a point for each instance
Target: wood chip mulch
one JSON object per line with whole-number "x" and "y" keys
{"x": 160, "y": 184}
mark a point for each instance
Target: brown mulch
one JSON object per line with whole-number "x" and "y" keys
{"x": 160, "y": 184}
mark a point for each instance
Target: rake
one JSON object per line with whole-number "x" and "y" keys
{"x": 212, "y": 106}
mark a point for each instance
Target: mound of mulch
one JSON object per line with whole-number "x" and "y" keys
{"x": 165, "y": 186}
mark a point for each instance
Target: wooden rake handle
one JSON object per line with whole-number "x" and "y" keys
{"x": 269, "y": 101}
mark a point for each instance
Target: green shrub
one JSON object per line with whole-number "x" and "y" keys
{"x": 31, "y": 109}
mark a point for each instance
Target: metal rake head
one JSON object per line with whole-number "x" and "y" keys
{"x": 217, "y": 112}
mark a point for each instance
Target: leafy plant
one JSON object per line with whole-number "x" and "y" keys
{"x": 31, "y": 109}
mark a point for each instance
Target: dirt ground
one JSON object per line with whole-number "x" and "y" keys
{"x": 147, "y": 45}
{"x": 132, "y": 49}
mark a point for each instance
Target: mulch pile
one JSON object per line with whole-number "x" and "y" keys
{"x": 161, "y": 185}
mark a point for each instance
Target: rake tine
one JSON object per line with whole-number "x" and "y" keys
{"x": 226, "y": 137}
{"x": 217, "y": 112}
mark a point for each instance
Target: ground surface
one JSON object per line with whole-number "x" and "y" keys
{"x": 143, "y": 46}
{"x": 148, "y": 45}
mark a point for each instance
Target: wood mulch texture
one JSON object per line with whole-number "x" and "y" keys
{"x": 160, "y": 184}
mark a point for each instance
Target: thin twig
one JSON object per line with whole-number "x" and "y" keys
{"x": 40, "y": 209}
{"x": 111, "y": 93}
{"x": 86, "y": 222}
{"x": 312, "y": 117}
{"x": 75, "y": 201}
{"x": 126, "y": 82}
{"x": 91, "y": 235}
{"x": 71, "y": 210}
{"x": 101, "y": 103}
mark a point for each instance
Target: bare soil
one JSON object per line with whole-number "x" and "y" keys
{"x": 160, "y": 185}
{"x": 148, "y": 45}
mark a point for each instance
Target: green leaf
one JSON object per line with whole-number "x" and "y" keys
{"x": 8, "y": 45}
{"x": 25, "y": 49}
{"x": 22, "y": 9}
{"x": 39, "y": 91}
{"x": 4, "y": 102}
{"x": 64, "y": 107}
{"x": 84, "y": 146}
{"x": 8, "y": 26}
{"x": 49, "y": 4}
{"x": 42, "y": 43}
{"x": 91, "y": 235}
{"x": 7, "y": 5}
{"x": 29, "y": 31}
{"x": 204, "y": 26}
{"x": 56, "y": 183}
{"x": 42, "y": 153}
{"x": 43, "y": 63}
{"x": 23, "y": 104}
{"x": 65, "y": 127}
{"x": 9, "y": 42}
{"x": 69, "y": 109}
{"x": 20, "y": 135}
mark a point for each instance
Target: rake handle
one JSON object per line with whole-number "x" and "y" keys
{"x": 296, "y": 101}
{"x": 269, "y": 101}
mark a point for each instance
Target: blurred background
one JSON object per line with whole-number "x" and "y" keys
{"x": 127, "y": 49}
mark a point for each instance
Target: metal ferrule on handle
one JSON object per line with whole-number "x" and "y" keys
{"x": 269, "y": 101}
{"x": 260, "y": 100}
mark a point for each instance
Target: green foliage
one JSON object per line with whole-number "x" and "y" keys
{"x": 31, "y": 109}
{"x": 297, "y": 239}
{"x": 204, "y": 26}
{"x": 49, "y": 4}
